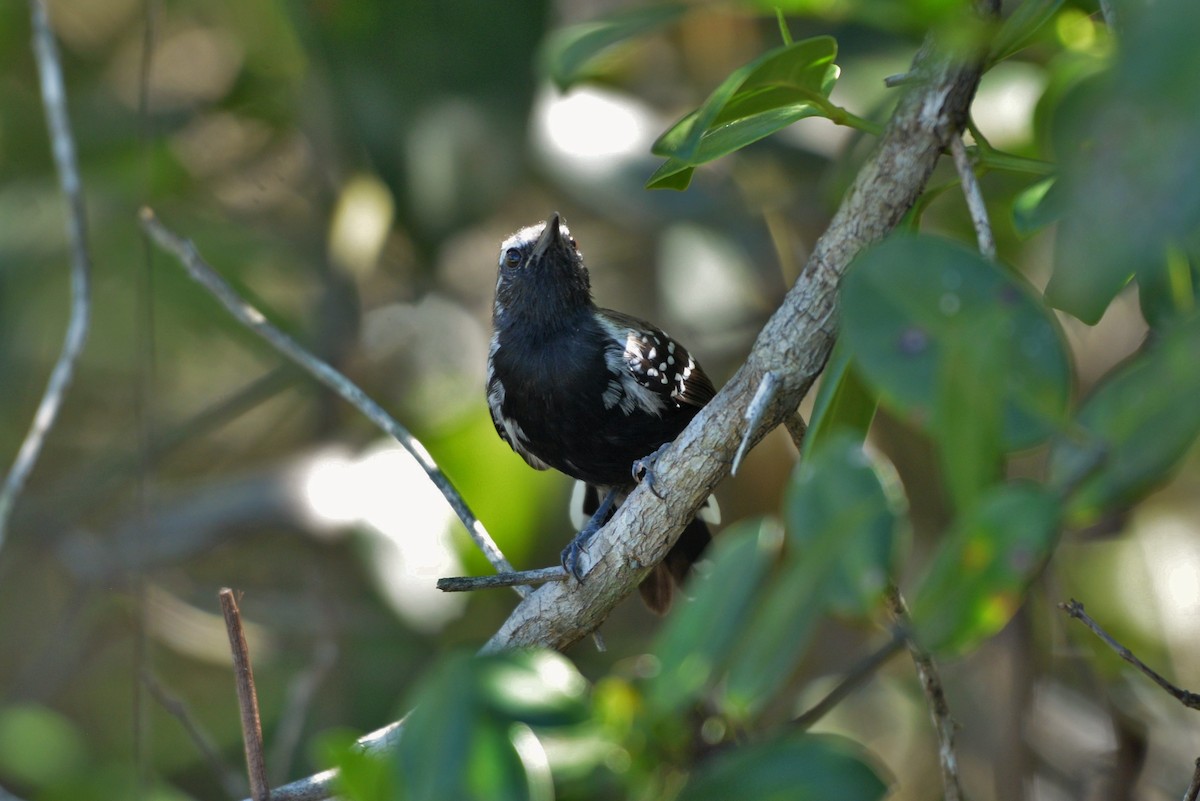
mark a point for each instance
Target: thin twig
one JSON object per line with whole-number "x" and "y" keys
{"x": 202, "y": 273}
{"x": 256, "y": 767}
{"x": 469, "y": 583}
{"x": 763, "y": 397}
{"x": 178, "y": 709}
{"x": 852, "y": 680}
{"x": 1075, "y": 609}
{"x": 935, "y": 697}
{"x": 974, "y": 197}
{"x": 1193, "y": 790}
{"x": 54, "y": 98}
{"x": 797, "y": 429}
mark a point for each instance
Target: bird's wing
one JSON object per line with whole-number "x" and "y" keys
{"x": 658, "y": 362}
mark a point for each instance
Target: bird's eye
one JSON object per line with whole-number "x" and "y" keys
{"x": 512, "y": 257}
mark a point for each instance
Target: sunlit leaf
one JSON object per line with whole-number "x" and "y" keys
{"x": 765, "y": 95}
{"x": 791, "y": 767}
{"x": 537, "y": 687}
{"x": 977, "y": 579}
{"x": 570, "y": 52}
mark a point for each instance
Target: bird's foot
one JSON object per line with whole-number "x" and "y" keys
{"x": 574, "y": 551}
{"x": 643, "y": 469}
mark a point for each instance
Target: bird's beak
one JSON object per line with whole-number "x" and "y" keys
{"x": 548, "y": 239}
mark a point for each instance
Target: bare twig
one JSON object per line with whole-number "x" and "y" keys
{"x": 974, "y": 197}
{"x": 178, "y": 709}
{"x": 763, "y": 396}
{"x": 252, "y": 318}
{"x": 54, "y": 98}
{"x": 1075, "y": 609}
{"x": 469, "y": 583}
{"x": 852, "y": 680}
{"x": 1193, "y": 790}
{"x": 256, "y": 766}
{"x": 935, "y": 697}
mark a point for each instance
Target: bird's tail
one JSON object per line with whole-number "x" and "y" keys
{"x": 658, "y": 588}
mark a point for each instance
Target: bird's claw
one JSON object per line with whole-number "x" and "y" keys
{"x": 571, "y": 557}
{"x": 643, "y": 470}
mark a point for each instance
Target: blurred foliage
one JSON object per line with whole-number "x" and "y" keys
{"x": 989, "y": 437}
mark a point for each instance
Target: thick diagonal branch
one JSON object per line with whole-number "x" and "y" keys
{"x": 793, "y": 345}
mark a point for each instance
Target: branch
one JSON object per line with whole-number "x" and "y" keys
{"x": 793, "y": 345}
{"x": 852, "y": 680}
{"x": 252, "y": 739}
{"x": 935, "y": 698}
{"x": 252, "y": 318}
{"x": 1075, "y": 609}
{"x": 54, "y": 98}
{"x": 974, "y": 197}
{"x": 540, "y": 575}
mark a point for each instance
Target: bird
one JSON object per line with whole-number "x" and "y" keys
{"x": 587, "y": 391}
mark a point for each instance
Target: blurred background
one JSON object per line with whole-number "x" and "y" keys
{"x": 351, "y": 168}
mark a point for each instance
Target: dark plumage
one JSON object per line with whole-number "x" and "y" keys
{"x": 584, "y": 390}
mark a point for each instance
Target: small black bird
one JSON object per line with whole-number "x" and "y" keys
{"x": 587, "y": 391}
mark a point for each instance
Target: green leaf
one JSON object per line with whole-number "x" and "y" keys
{"x": 841, "y": 529}
{"x": 969, "y": 409}
{"x": 843, "y": 402}
{"x": 1130, "y": 176}
{"x": 1037, "y": 206}
{"x": 1135, "y": 427}
{"x": 433, "y": 754}
{"x": 570, "y": 52}
{"x": 458, "y": 740}
{"x": 1169, "y": 288}
{"x": 671, "y": 174}
{"x": 791, "y": 767}
{"x": 693, "y": 647}
{"x": 979, "y": 573}
{"x": 782, "y": 83}
{"x": 1021, "y": 25}
{"x": 537, "y": 687}
{"x": 362, "y": 775}
{"x": 906, "y": 299}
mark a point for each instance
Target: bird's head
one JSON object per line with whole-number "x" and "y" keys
{"x": 542, "y": 279}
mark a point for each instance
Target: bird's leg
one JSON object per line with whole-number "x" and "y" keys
{"x": 643, "y": 469}
{"x": 578, "y": 545}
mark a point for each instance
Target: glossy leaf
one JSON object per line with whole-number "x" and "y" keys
{"x": 1037, "y": 206}
{"x": 536, "y": 687}
{"x": 1135, "y": 427}
{"x": 758, "y": 99}
{"x": 841, "y": 531}
{"x": 1016, "y": 31}
{"x": 570, "y": 52}
{"x": 791, "y": 767}
{"x": 978, "y": 575}
{"x": 843, "y": 402}
{"x": 693, "y": 648}
{"x": 458, "y": 742}
{"x": 903, "y": 301}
